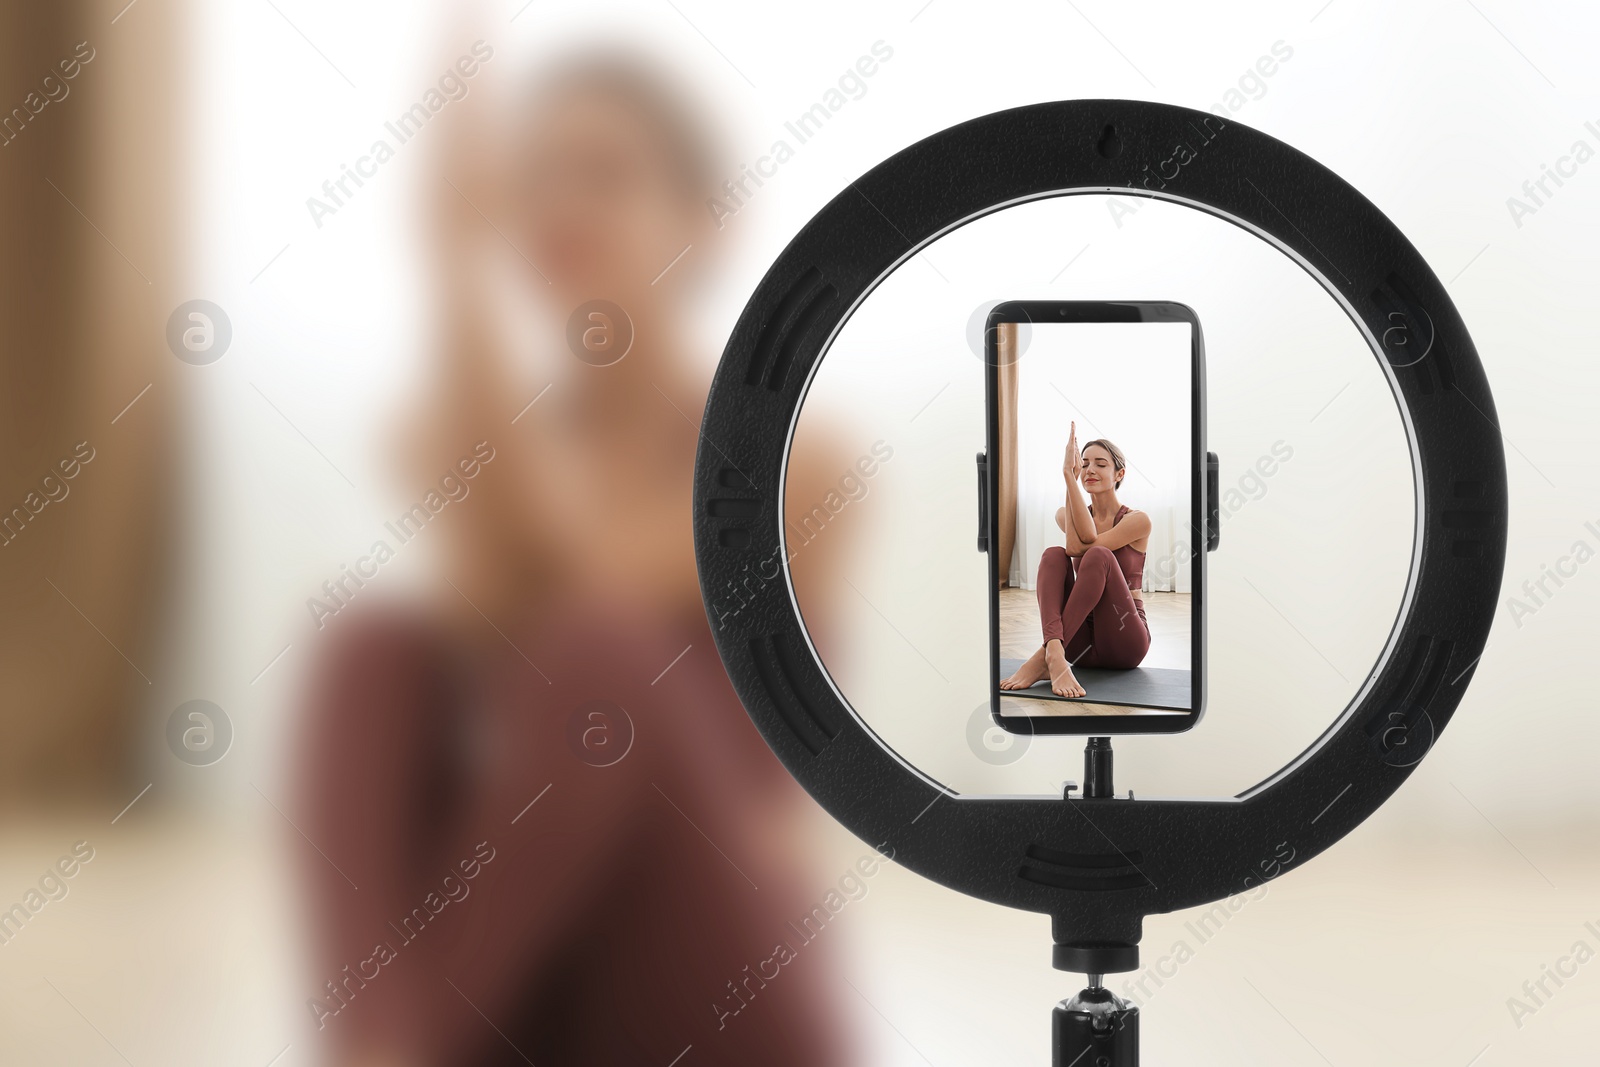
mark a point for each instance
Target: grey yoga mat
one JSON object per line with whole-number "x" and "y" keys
{"x": 1149, "y": 687}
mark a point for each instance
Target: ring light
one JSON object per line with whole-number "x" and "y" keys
{"x": 1098, "y": 866}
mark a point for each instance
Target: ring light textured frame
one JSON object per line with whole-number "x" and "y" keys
{"x": 1099, "y": 866}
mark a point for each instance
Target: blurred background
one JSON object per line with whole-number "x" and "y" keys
{"x": 285, "y": 282}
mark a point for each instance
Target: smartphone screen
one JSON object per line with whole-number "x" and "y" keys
{"x": 1096, "y": 516}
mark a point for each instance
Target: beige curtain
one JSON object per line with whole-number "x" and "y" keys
{"x": 90, "y": 172}
{"x": 1005, "y": 464}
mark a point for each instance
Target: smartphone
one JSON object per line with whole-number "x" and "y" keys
{"x": 1096, "y": 510}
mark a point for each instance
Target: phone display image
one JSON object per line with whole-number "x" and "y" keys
{"x": 1096, "y": 478}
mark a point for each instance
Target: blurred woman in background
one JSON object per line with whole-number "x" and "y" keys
{"x": 558, "y": 723}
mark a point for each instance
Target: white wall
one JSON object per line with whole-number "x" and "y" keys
{"x": 1130, "y": 384}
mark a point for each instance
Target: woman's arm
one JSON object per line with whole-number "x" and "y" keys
{"x": 1134, "y": 527}
{"x": 508, "y": 548}
{"x": 1075, "y": 544}
{"x": 1076, "y": 509}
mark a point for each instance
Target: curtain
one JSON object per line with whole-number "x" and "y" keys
{"x": 1006, "y": 462}
{"x": 89, "y": 187}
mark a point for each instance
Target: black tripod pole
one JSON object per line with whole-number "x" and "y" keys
{"x": 1096, "y": 1028}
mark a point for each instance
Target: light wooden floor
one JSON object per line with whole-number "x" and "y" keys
{"x": 1167, "y": 613}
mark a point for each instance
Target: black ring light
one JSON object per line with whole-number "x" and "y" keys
{"x": 1099, "y": 866}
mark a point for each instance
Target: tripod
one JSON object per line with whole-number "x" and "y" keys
{"x": 1096, "y": 1028}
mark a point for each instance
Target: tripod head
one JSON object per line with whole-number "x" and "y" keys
{"x": 1095, "y": 1028}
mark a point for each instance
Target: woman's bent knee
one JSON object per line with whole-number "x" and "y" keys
{"x": 1053, "y": 559}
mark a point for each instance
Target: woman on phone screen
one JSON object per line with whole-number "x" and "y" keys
{"x": 1090, "y": 609}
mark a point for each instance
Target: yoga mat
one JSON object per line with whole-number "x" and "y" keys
{"x": 1149, "y": 687}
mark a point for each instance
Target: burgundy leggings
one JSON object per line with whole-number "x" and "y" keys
{"x": 1092, "y": 613}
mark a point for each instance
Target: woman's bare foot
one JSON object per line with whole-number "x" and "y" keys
{"x": 1032, "y": 669}
{"x": 1062, "y": 681}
